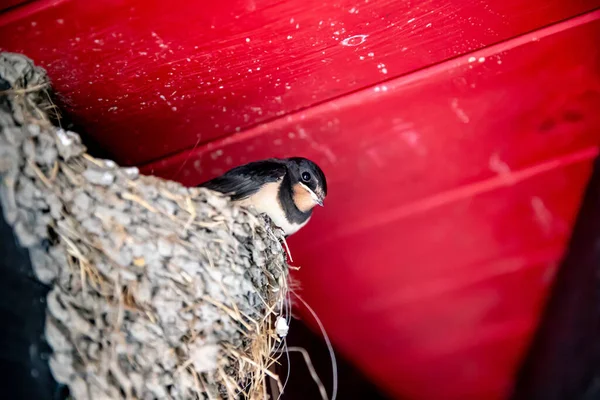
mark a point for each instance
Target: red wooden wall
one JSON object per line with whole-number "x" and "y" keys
{"x": 456, "y": 136}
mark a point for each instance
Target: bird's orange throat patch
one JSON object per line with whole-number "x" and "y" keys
{"x": 302, "y": 198}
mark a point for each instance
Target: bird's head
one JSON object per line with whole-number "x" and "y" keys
{"x": 308, "y": 183}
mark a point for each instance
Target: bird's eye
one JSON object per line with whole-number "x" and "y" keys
{"x": 305, "y": 176}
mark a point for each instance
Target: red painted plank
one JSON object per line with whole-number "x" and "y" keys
{"x": 446, "y": 126}
{"x": 449, "y": 296}
{"x": 452, "y": 194}
{"x": 178, "y": 72}
{"x": 469, "y": 339}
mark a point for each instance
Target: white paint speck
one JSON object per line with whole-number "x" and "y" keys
{"x": 459, "y": 112}
{"x": 355, "y": 40}
{"x": 381, "y": 67}
{"x": 411, "y": 20}
{"x": 216, "y": 154}
{"x": 410, "y": 137}
{"x": 542, "y": 214}
{"x": 481, "y": 59}
{"x": 371, "y": 54}
{"x": 290, "y": 37}
{"x": 498, "y": 166}
{"x": 472, "y": 59}
{"x": 247, "y": 40}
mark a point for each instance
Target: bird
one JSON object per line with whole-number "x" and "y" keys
{"x": 286, "y": 190}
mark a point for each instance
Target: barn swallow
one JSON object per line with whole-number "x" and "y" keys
{"x": 286, "y": 190}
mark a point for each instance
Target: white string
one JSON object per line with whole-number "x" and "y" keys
{"x": 289, "y": 369}
{"x": 329, "y": 346}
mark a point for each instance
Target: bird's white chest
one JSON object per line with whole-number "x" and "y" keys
{"x": 266, "y": 201}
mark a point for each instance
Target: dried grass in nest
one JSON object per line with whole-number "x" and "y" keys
{"x": 158, "y": 291}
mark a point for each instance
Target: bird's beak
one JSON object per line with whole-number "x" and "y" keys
{"x": 317, "y": 198}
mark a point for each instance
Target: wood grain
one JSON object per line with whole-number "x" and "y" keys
{"x": 179, "y": 73}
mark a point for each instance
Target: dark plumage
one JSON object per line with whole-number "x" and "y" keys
{"x": 245, "y": 180}
{"x": 285, "y": 189}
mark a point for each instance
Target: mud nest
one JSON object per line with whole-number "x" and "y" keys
{"x": 157, "y": 290}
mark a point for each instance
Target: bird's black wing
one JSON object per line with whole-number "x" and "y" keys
{"x": 245, "y": 180}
